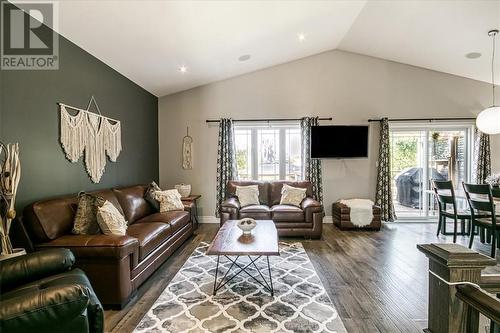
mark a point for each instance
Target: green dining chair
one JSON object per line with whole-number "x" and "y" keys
{"x": 445, "y": 196}
{"x": 482, "y": 209}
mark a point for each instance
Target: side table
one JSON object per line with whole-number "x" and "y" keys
{"x": 191, "y": 206}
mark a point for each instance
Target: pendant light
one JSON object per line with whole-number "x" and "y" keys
{"x": 488, "y": 121}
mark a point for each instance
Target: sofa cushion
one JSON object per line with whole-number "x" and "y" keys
{"x": 287, "y": 213}
{"x": 47, "y": 220}
{"x": 263, "y": 189}
{"x": 292, "y": 195}
{"x": 149, "y": 196}
{"x": 176, "y": 219}
{"x": 150, "y": 236}
{"x": 110, "y": 220}
{"x": 258, "y": 212}
{"x": 111, "y": 197}
{"x": 86, "y": 214}
{"x": 132, "y": 201}
{"x": 170, "y": 200}
{"x": 95, "y": 246}
{"x": 248, "y": 195}
{"x": 276, "y": 187}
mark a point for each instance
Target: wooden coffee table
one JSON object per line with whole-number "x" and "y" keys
{"x": 230, "y": 242}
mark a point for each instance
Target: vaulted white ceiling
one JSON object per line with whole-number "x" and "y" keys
{"x": 147, "y": 41}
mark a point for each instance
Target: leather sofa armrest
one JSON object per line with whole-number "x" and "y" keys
{"x": 231, "y": 203}
{"x": 42, "y": 310}
{"x": 310, "y": 203}
{"x": 34, "y": 266}
{"x": 96, "y": 246}
{"x": 229, "y": 210}
{"x": 313, "y": 212}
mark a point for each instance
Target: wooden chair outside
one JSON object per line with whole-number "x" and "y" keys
{"x": 482, "y": 209}
{"x": 445, "y": 195}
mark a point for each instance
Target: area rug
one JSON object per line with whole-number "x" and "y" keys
{"x": 300, "y": 303}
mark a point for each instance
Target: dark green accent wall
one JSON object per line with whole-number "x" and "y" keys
{"x": 29, "y": 115}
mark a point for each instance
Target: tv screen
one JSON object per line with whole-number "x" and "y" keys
{"x": 339, "y": 141}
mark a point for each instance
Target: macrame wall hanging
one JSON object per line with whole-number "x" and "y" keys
{"x": 187, "y": 151}
{"x": 92, "y": 134}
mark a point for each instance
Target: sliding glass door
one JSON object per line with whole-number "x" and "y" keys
{"x": 421, "y": 153}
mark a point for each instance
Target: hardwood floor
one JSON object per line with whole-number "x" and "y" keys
{"x": 377, "y": 280}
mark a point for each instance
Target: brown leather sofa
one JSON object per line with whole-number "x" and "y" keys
{"x": 116, "y": 265}
{"x": 306, "y": 220}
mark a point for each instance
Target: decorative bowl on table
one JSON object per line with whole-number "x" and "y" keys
{"x": 183, "y": 189}
{"x": 247, "y": 225}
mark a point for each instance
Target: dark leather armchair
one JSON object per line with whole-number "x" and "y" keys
{"x": 39, "y": 292}
{"x": 306, "y": 220}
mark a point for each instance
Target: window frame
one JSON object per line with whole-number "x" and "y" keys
{"x": 254, "y": 148}
{"x": 427, "y": 127}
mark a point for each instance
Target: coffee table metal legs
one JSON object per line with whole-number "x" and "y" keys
{"x": 267, "y": 285}
{"x": 270, "y": 276}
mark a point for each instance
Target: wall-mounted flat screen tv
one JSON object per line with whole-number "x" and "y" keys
{"x": 339, "y": 141}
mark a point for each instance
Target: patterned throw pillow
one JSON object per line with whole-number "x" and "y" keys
{"x": 169, "y": 200}
{"x": 248, "y": 195}
{"x": 111, "y": 220}
{"x": 150, "y": 196}
{"x": 86, "y": 214}
{"x": 292, "y": 195}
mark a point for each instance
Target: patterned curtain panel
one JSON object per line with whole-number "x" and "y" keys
{"x": 312, "y": 166}
{"x": 383, "y": 197}
{"x": 482, "y": 157}
{"x": 226, "y": 159}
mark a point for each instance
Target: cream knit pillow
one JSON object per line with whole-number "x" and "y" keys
{"x": 248, "y": 195}
{"x": 169, "y": 200}
{"x": 292, "y": 195}
{"x": 110, "y": 220}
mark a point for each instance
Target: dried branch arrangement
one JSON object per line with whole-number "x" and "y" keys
{"x": 10, "y": 174}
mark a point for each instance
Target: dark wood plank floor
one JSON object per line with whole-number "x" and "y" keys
{"x": 377, "y": 280}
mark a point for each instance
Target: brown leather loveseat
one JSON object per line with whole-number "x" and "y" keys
{"x": 116, "y": 265}
{"x": 306, "y": 220}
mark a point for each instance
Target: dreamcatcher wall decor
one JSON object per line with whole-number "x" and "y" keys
{"x": 92, "y": 135}
{"x": 187, "y": 151}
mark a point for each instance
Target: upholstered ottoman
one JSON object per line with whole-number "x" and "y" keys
{"x": 342, "y": 218}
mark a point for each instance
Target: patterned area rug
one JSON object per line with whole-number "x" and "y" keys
{"x": 300, "y": 303}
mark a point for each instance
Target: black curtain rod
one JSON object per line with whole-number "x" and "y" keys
{"x": 267, "y": 120}
{"x": 421, "y": 119}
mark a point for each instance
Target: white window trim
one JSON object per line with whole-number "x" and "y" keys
{"x": 436, "y": 126}
{"x": 254, "y": 127}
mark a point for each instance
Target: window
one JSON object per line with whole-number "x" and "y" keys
{"x": 268, "y": 152}
{"x": 422, "y": 152}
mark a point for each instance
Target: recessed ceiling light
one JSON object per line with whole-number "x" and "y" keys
{"x": 473, "y": 55}
{"x": 183, "y": 69}
{"x": 244, "y": 57}
{"x": 301, "y": 36}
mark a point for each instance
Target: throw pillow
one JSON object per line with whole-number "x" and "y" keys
{"x": 169, "y": 200}
{"x": 85, "y": 222}
{"x": 111, "y": 220}
{"x": 248, "y": 195}
{"x": 150, "y": 196}
{"x": 292, "y": 195}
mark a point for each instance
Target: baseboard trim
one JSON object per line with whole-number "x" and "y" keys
{"x": 213, "y": 219}
{"x": 208, "y": 219}
{"x": 327, "y": 220}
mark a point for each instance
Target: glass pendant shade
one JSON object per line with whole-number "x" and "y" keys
{"x": 488, "y": 121}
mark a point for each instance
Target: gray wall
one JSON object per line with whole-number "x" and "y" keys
{"x": 349, "y": 87}
{"x": 29, "y": 115}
